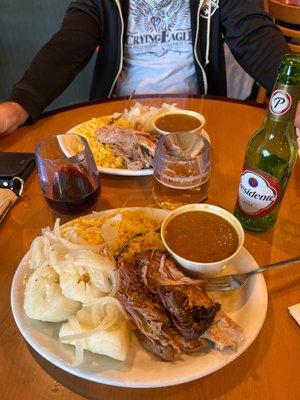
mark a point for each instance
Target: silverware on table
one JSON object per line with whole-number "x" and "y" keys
{"x": 236, "y": 281}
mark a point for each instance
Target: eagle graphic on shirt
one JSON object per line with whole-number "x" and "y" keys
{"x": 158, "y": 26}
{"x": 158, "y": 16}
{"x": 213, "y": 4}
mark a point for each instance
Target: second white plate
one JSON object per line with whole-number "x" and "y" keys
{"x": 124, "y": 171}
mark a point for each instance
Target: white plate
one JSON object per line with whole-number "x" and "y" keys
{"x": 141, "y": 369}
{"x": 126, "y": 172}
{"x": 123, "y": 171}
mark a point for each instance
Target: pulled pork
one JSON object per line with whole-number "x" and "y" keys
{"x": 170, "y": 311}
{"x": 147, "y": 316}
{"x": 135, "y": 147}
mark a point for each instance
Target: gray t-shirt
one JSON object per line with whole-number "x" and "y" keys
{"x": 158, "y": 52}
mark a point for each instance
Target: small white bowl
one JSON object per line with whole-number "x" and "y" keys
{"x": 200, "y": 267}
{"x": 186, "y": 112}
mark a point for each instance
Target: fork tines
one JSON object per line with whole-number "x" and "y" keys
{"x": 220, "y": 282}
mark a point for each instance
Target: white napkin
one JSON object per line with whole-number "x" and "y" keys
{"x": 295, "y": 312}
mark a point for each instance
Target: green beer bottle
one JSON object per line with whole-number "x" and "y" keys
{"x": 271, "y": 153}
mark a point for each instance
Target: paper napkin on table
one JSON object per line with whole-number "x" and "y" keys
{"x": 295, "y": 312}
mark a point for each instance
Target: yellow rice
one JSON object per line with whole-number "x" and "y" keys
{"x": 103, "y": 154}
{"x": 133, "y": 222}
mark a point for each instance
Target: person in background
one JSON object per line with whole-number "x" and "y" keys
{"x": 152, "y": 46}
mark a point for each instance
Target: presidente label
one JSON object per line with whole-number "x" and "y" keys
{"x": 258, "y": 193}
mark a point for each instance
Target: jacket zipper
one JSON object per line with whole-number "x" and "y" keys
{"x": 195, "y": 49}
{"x": 121, "y": 46}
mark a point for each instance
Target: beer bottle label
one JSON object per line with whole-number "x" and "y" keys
{"x": 283, "y": 101}
{"x": 258, "y": 192}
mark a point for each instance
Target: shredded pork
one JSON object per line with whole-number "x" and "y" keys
{"x": 171, "y": 312}
{"x": 135, "y": 147}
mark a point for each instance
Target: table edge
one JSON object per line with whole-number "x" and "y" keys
{"x": 99, "y": 101}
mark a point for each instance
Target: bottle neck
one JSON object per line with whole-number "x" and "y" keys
{"x": 283, "y": 103}
{"x": 277, "y": 126}
{"x": 281, "y": 113}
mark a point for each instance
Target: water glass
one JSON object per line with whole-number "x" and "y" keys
{"x": 68, "y": 173}
{"x": 182, "y": 168}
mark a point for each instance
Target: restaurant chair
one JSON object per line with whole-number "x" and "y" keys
{"x": 287, "y": 18}
{"x": 262, "y": 96}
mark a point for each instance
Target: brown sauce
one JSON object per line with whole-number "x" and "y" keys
{"x": 177, "y": 122}
{"x": 201, "y": 236}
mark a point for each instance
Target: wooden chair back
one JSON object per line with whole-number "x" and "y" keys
{"x": 284, "y": 12}
{"x": 289, "y": 14}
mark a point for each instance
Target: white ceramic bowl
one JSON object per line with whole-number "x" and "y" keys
{"x": 200, "y": 267}
{"x": 186, "y": 112}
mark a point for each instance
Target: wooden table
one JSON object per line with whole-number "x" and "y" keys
{"x": 269, "y": 369}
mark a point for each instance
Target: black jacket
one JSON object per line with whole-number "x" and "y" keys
{"x": 254, "y": 40}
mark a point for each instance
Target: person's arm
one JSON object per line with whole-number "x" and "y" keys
{"x": 57, "y": 63}
{"x": 12, "y": 115}
{"x": 255, "y": 41}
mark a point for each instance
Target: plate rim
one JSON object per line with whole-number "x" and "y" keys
{"x": 112, "y": 381}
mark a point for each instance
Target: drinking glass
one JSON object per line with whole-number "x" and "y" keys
{"x": 182, "y": 168}
{"x": 68, "y": 174}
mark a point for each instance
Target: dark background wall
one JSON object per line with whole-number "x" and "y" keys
{"x": 25, "y": 25}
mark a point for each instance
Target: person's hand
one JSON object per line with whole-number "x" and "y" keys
{"x": 297, "y": 125}
{"x": 12, "y": 115}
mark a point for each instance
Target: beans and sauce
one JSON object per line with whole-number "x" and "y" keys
{"x": 201, "y": 236}
{"x": 177, "y": 122}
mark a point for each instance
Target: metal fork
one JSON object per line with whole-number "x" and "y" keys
{"x": 236, "y": 281}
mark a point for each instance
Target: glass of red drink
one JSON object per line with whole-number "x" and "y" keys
{"x": 68, "y": 174}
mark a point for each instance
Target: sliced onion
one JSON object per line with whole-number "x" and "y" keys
{"x": 102, "y": 318}
{"x": 110, "y": 228}
{"x": 73, "y": 246}
{"x": 56, "y": 228}
{"x": 66, "y": 252}
{"x": 56, "y": 235}
{"x": 101, "y": 271}
{"x": 99, "y": 305}
{"x": 79, "y": 350}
